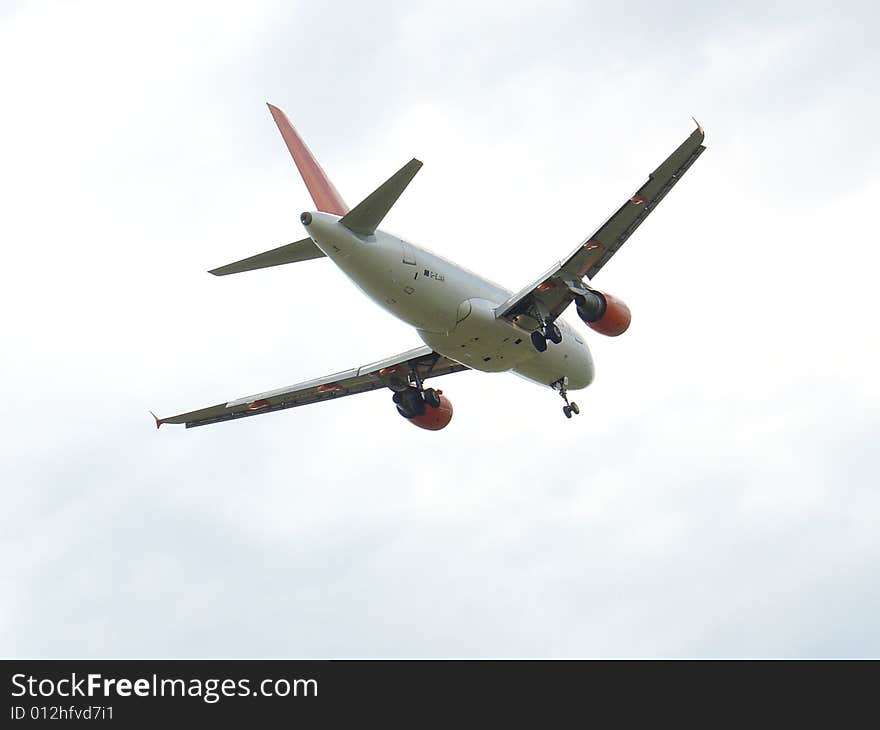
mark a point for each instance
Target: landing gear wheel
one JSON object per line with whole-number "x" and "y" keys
{"x": 432, "y": 398}
{"x": 539, "y": 341}
{"x": 561, "y": 387}
{"x": 409, "y": 402}
{"x": 553, "y": 333}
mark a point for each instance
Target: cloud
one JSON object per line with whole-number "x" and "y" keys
{"x": 714, "y": 498}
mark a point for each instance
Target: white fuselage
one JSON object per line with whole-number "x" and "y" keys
{"x": 452, "y": 308}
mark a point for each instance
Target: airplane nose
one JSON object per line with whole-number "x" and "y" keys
{"x": 306, "y": 219}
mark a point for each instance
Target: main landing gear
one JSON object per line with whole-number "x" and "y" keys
{"x": 431, "y": 397}
{"x": 410, "y": 395}
{"x": 550, "y": 331}
{"x": 411, "y": 401}
{"x": 569, "y": 409}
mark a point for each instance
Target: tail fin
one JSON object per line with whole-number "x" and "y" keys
{"x": 326, "y": 197}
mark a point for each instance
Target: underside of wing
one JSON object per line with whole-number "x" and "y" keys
{"x": 421, "y": 363}
{"x": 595, "y": 252}
{"x": 554, "y": 291}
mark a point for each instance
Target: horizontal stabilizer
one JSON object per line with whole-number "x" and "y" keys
{"x": 291, "y": 253}
{"x": 366, "y": 216}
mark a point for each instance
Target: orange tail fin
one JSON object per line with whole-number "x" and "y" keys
{"x": 326, "y": 197}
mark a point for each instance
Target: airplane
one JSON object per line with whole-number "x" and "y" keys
{"x": 465, "y": 321}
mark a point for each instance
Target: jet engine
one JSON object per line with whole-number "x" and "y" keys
{"x": 603, "y": 313}
{"x": 433, "y": 419}
{"x": 431, "y": 411}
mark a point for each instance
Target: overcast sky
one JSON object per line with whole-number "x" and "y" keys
{"x": 718, "y": 496}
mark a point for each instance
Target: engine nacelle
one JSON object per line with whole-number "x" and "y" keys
{"x": 433, "y": 419}
{"x": 604, "y": 313}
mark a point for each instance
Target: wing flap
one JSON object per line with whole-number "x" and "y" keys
{"x": 290, "y": 253}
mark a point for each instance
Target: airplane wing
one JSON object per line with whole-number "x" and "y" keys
{"x": 394, "y": 371}
{"x": 554, "y": 290}
{"x": 302, "y": 250}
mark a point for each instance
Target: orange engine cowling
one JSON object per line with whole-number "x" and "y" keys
{"x": 605, "y": 314}
{"x": 433, "y": 419}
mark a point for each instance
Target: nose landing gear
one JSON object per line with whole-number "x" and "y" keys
{"x": 569, "y": 409}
